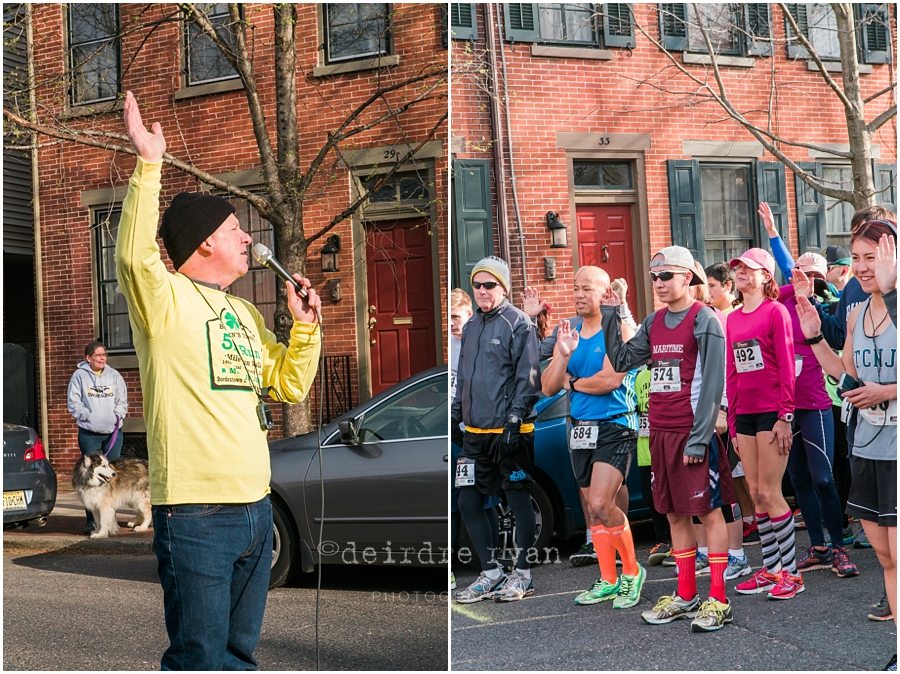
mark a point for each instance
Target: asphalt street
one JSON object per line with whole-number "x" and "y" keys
{"x": 73, "y": 611}
{"x": 824, "y": 628}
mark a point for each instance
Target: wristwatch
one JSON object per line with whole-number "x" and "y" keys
{"x": 788, "y": 417}
{"x": 513, "y": 419}
{"x": 572, "y": 381}
{"x": 814, "y": 340}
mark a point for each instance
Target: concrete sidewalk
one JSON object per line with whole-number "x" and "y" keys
{"x": 64, "y": 531}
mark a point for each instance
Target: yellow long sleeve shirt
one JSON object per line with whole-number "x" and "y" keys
{"x": 202, "y": 355}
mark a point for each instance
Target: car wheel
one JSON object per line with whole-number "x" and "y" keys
{"x": 284, "y": 546}
{"x": 543, "y": 526}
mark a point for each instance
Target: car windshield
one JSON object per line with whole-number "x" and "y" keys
{"x": 417, "y": 411}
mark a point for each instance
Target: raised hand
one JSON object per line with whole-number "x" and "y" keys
{"x": 803, "y": 287}
{"x": 611, "y": 298}
{"x": 531, "y": 304}
{"x": 566, "y": 339}
{"x": 303, "y": 310}
{"x": 765, "y": 214}
{"x": 810, "y": 321}
{"x": 886, "y": 263}
{"x": 150, "y": 146}
{"x": 620, "y": 288}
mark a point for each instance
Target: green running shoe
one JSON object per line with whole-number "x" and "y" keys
{"x": 601, "y": 590}
{"x": 630, "y": 589}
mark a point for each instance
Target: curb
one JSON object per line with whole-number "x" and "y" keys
{"x": 79, "y": 545}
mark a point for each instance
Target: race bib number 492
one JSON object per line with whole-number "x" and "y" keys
{"x": 748, "y": 356}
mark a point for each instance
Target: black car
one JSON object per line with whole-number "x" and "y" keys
{"x": 385, "y": 478}
{"x": 29, "y": 481}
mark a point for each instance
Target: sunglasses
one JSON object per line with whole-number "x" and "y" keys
{"x": 664, "y": 275}
{"x": 488, "y": 285}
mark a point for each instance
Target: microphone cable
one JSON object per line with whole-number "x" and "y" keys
{"x": 321, "y": 416}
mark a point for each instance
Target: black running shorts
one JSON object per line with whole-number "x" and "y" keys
{"x": 496, "y": 470}
{"x": 616, "y": 444}
{"x": 873, "y": 491}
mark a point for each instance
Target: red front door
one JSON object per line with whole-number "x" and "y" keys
{"x": 604, "y": 240}
{"x": 401, "y": 301}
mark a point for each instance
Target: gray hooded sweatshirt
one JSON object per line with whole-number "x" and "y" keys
{"x": 97, "y": 400}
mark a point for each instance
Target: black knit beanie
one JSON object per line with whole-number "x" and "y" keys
{"x": 189, "y": 220}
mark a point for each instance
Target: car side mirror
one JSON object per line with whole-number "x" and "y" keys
{"x": 350, "y": 431}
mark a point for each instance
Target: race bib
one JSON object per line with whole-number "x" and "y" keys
{"x": 232, "y": 356}
{"x": 465, "y": 473}
{"x": 665, "y": 376}
{"x": 644, "y": 426}
{"x": 452, "y": 384}
{"x": 748, "y": 356}
{"x": 882, "y": 414}
{"x": 584, "y": 435}
{"x": 798, "y": 364}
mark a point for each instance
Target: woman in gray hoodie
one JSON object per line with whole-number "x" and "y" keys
{"x": 98, "y": 400}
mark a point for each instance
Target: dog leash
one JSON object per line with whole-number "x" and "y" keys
{"x": 112, "y": 438}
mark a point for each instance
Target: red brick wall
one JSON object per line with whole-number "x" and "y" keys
{"x": 215, "y": 133}
{"x": 550, "y": 95}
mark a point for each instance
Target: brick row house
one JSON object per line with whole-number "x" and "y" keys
{"x": 576, "y": 139}
{"x": 381, "y": 272}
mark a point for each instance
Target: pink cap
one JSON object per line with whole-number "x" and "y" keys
{"x": 812, "y": 262}
{"x": 756, "y": 258}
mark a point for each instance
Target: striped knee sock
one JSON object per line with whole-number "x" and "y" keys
{"x": 624, "y": 544}
{"x": 770, "y": 553}
{"x": 783, "y": 525}
{"x": 686, "y": 561}
{"x": 606, "y": 553}
{"x": 718, "y": 562}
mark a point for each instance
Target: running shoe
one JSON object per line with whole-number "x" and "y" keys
{"x": 601, "y": 590}
{"x": 849, "y": 538}
{"x": 892, "y": 664}
{"x": 630, "y": 589}
{"x": 483, "y": 588}
{"x": 751, "y": 534}
{"x": 658, "y": 554}
{"x": 584, "y": 556}
{"x": 737, "y": 567}
{"x": 881, "y": 611}
{"x": 862, "y": 541}
{"x": 798, "y": 520}
{"x": 515, "y": 588}
{"x": 712, "y": 616}
{"x": 452, "y": 581}
{"x": 669, "y": 560}
{"x": 788, "y": 586}
{"x": 761, "y": 581}
{"x": 671, "y": 607}
{"x": 814, "y": 559}
{"x": 842, "y": 565}
{"x": 702, "y": 564}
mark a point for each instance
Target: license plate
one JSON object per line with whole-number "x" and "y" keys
{"x": 14, "y": 500}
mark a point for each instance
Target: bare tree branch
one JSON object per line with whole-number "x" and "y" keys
{"x": 884, "y": 117}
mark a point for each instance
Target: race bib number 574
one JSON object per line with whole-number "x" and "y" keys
{"x": 665, "y": 376}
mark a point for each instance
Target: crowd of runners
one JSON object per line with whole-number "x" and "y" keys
{"x": 729, "y": 386}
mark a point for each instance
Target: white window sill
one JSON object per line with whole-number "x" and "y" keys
{"x": 356, "y": 66}
{"x": 210, "y": 88}
{"x": 555, "y": 51}
{"x": 733, "y": 61}
{"x": 835, "y": 67}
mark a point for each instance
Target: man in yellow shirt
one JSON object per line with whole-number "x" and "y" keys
{"x": 207, "y": 362}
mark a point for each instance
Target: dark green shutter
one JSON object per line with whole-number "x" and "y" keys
{"x": 463, "y": 24}
{"x": 521, "y": 22}
{"x": 886, "y": 186}
{"x": 757, "y": 21}
{"x": 876, "y": 43}
{"x": 672, "y": 26}
{"x": 685, "y": 208}
{"x": 473, "y": 236}
{"x": 810, "y": 212}
{"x": 795, "y": 49}
{"x": 770, "y": 187}
{"x": 618, "y": 27}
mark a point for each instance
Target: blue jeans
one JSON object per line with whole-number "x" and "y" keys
{"x": 213, "y": 564}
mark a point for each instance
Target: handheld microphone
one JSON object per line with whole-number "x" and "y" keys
{"x": 264, "y": 256}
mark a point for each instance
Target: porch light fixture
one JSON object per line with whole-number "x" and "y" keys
{"x": 558, "y": 238}
{"x": 330, "y": 253}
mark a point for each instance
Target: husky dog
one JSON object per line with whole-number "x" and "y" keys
{"x": 104, "y": 487}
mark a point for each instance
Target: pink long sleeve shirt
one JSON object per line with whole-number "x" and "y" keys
{"x": 759, "y": 361}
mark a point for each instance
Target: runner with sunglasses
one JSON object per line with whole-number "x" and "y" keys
{"x": 498, "y": 382}
{"x": 760, "y": 387}
{"x": 681, "y": 342}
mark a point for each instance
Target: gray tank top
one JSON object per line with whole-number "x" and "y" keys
{"x": 876, "y": 361}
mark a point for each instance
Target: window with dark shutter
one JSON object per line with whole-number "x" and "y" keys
{"x": 875, "y": 33}
{"x": 463, "y": 22}
{"x": 618, "y": 26}
{"x": 672, "y": 26}
{"x": 580, "y": 24}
